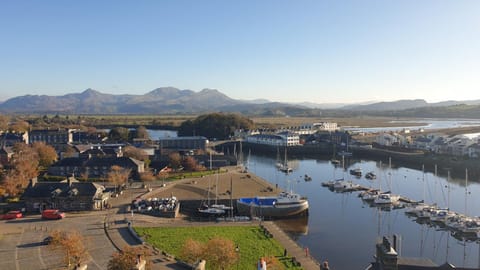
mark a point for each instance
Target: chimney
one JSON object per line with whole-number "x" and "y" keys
{"x": 33, "y": 181}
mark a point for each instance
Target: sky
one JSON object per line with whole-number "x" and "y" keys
{"x": 288, "y": 51}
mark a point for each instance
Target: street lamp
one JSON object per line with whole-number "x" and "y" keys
{"x": 237, "y": 250}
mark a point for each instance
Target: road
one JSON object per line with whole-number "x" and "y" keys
{"x": 21, "y": 244}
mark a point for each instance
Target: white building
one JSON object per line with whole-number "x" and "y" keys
{"x": 279, "y": 139}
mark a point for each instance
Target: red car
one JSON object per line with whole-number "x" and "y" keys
{"x": 52, "y": 214}
{"x": 12, "y": 215}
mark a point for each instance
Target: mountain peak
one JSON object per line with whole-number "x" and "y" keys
{"x": 90, "y": 92}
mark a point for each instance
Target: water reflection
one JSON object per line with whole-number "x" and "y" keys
{"x": 295, "y": 226}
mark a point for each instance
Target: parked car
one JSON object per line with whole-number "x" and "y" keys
{"x": 12, "y": 215}
{"x": 52, "y": 214}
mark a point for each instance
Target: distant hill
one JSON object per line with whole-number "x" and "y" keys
{"x": 405, "y": 104}
{"x": 160, "y": 100}
{"x": 170, "y": 100}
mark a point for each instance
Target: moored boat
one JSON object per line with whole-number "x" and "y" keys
{"x": 356, "y": 172}
{"x": 371, "y": 175}
{"x": 284, "y": 204}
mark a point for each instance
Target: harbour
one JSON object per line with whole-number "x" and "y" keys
{"x": 341, "y": 223}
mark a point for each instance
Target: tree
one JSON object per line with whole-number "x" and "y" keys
{"x": 175, "y": 160}
{"x": 20, "y": 126}
{"x": 118, "y": 175}
{"x": 71, "y": 244}
{"x": 11, "y": 184}
{"x": 46, "y": 154}
{"x": 192, "y": 251}
{"x": 215, "y": 125}
{"x": 24, "y": 162}
{"x": 220, "y": 253}
{"x": 189, "y": 163}
{"x": 127, "y": 258}
{"x": 4, "y": 120}
{"x": 119, "y": 134}
{"x": 134, "y": 152}
{"x": 142, "y": 133}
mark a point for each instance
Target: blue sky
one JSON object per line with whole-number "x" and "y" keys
{"x": 291, "y": 51}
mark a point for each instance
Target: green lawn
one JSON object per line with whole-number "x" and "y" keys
{"x": 251, "y": 241}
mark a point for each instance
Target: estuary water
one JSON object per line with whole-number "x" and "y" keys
{"x": 343, "y": 229}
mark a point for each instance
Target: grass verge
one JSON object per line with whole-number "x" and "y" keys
{"x": 251, "y": 241}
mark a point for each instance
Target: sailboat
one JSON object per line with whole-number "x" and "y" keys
{"x": 284, "y": 167}
{"x": 219, "y": 206}
{"x": 206, "y": 209}
{"x": 387, "y": 198}
{"x": 334, "y": 160}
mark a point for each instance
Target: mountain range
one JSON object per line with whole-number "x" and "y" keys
{"x": 170, "y": 100}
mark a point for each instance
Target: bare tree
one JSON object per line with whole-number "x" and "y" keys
{"x": 218, "y": 252}
{"x": 175, "y": 160}
{"x": 71, "y": 244}
{"x": 192, "y": 251}
{"x": 127, "y": 258}
{"x": 134, "y": 152}
{"x": 118, "y": 175}
{"x": 189, "y": 163}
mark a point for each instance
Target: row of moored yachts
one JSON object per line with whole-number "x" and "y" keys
{"x": 458, "y": 223}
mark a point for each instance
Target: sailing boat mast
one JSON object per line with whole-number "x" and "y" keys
{"x": 466, "y": 189}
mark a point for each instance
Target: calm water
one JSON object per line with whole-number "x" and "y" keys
{"x": 342, "y": 229}
{"x": 428, "y": 124}
{"x": 156, "y": 134}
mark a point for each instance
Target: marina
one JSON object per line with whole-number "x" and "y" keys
{"x": 342, "y": 222}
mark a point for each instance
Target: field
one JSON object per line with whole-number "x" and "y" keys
{"x": 251, "y": 241}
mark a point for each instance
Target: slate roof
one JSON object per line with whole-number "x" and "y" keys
{"x": 64, "y": 189}
{"x": 98, "y": 162}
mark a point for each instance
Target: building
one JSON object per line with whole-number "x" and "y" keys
{"x": 95, "y": 167}
{"x": 186, "y": 143}
{"x": 6, "y": 154}
{"x": 67, "y": 195}
{"x": 278, "y": 139}
{"x": 325, "y": 126}
{"x": 10, "y": 139}
{"x": 51, "y": 136}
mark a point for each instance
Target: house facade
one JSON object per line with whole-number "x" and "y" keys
{"x": 184, "y": 143}
{"x": 67, "y": 195}
{"x": 95, "y": 167}
{"x": 51, "y": 136}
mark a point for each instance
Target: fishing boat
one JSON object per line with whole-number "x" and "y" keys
{"x": 285, "y": 204}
